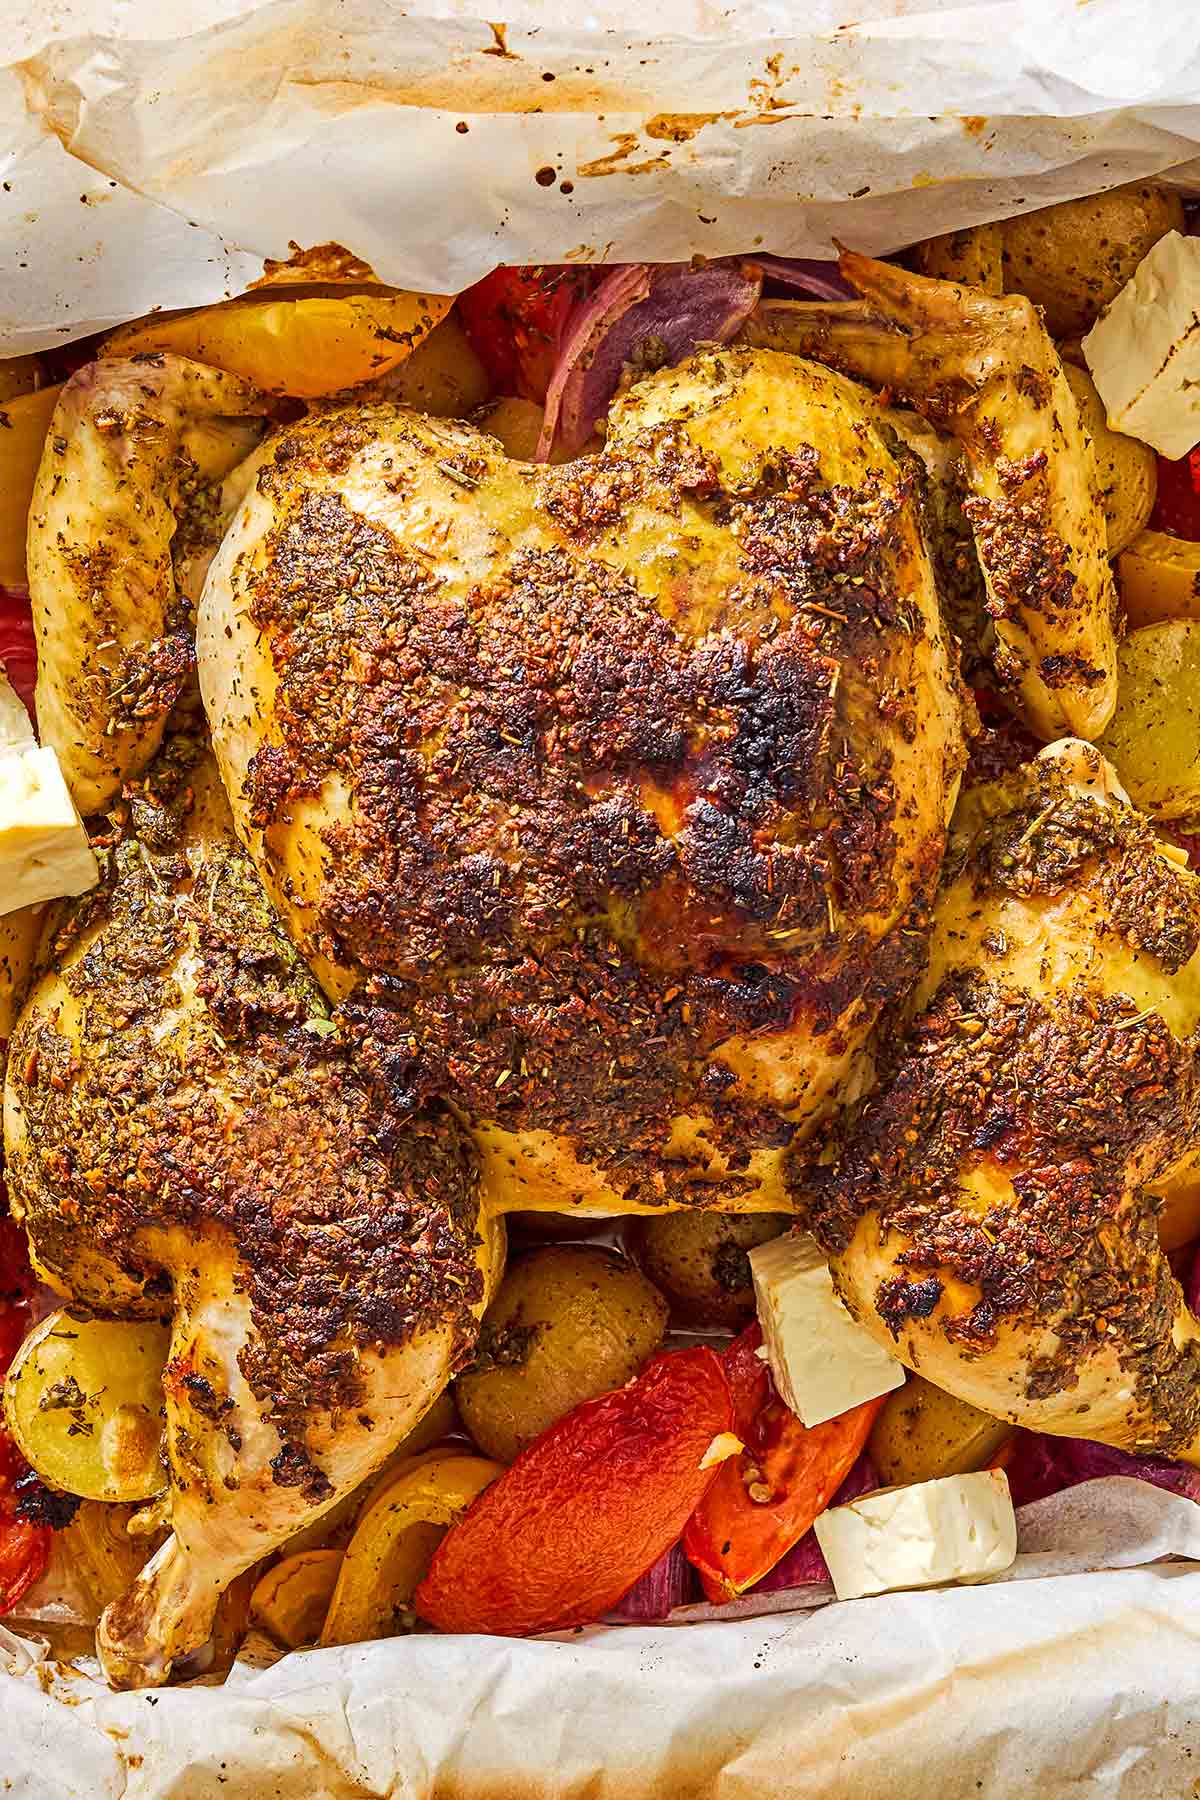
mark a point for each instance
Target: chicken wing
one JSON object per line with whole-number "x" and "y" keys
{"x": 127, "y": 487}
{"x": 190, "y": 1134}
{"x": 982, "y": 368}
{"x": 987, "y": 1210}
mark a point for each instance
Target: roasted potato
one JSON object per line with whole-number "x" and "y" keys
{"x": 972, "y": 256}
{"x": 443, "y": 376}
{"x": 1158, "y": 577}
{"x": 304, "y": 345}
{"x": 24, "y": 422}
{"x": 569, "y": 1322}
{"x": 291, "y": 1600}
{"x": 1126, "y": 470}
{"x": 1153, "y": 737}
{"x": 1072, "y": 259}
{"x": 700, "y": 1260}
{"x": 83, "y": 1399}
{"x": 922, "y": 1434}
{"x": 517, "y": 424}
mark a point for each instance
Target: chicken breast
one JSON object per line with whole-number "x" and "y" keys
{"x": 609, "y": 797}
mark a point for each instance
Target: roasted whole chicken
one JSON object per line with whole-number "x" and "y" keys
{"x": 557, "y": 837}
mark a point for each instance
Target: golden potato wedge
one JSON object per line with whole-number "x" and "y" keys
{"x": 922, "y": 1433}
{"x": 20, "y": 933}
{"x": 291, "y": 1600}
{"x": 1158, "y": 577}
{"x": 304, "y": 345}
{"x": 394, "y": 1542}
{"x": 1153, "y": 738}
{"x": 20, "y": 375}
{"x": 24, "y": 422}
{"x": 972, "y": 256}
{"x": 1126, "y": 470}
{"x": 83, "y": 1400}
{"x": 443, "y": 376}
{"x": 1072, "y": 259}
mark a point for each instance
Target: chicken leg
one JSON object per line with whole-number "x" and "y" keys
{"x": 987, "y": 1210}
{"x": 190, "y": 1133}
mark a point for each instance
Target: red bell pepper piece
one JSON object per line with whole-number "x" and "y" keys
{"x": 586, "y": 1509}
{"x": 1177, "y": 506}
{"x": 18, "y": 650}
{"x": 763, "y": 1501}
{"x": 24, "y": 1546}
{"x": 514, "y": 319}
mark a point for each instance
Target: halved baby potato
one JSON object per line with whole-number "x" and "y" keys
{"x": 1153, "y": 738}
{"x": 84, "y": 1401}
{"x": 305, "y": 345}
{"x": 569, "y": 1322}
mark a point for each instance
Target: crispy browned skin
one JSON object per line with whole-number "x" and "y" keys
{"x": 986, "y": 1211}
{"x": 189, "y": 1133}
{"x": 126, "y": 510}
{"x": 614, "y": 795}
{"x": 983, "y": 370}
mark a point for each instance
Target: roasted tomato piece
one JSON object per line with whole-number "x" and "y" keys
{"x": 1177, "y": 507}
{"x": 515, "y": 318}
{"x": 587, "y": 1508}
{"x": 764, "y": 1500}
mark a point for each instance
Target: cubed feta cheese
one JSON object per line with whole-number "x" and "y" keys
{"x": 44, "y": 852}
{"x": 823, "y": 1362}
{"x": 959, "y": 1528}
{"x": 1144, "y": 353}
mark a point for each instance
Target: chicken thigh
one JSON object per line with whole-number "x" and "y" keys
{"x": 610, "y": 798}
{"x": 987, "y": 1209}
{"x": 190, "y": 1134}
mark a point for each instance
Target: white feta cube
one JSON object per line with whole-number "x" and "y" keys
{"x": 1144, "y": 353}
{"x": 960, "y": 1528}
{"x": 44, "y": 852}
{"x": 823, "y": 1362}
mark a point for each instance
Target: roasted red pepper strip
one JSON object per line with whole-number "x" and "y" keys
{"x": 24, "y": 1547}
{"x": 1177, "y": 506}
{"x": 763, "y": 1501}
{"x": 514, "y": 319}
{"x": 18, "y": 651}
{"x": 586, "y": 1509}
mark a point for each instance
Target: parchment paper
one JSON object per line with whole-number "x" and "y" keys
{"x": 1036, "y": 1684}
{"x": 417, "y": 136}
{"x": 153, "y": 153}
